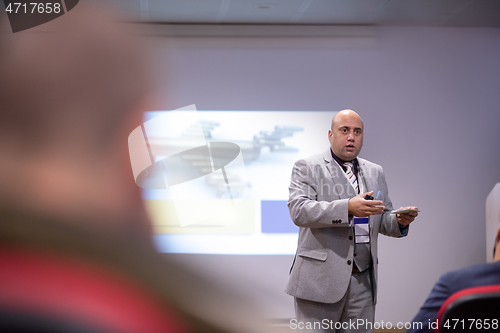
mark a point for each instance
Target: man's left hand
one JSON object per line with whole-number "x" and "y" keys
{"x": 405, "y": 219}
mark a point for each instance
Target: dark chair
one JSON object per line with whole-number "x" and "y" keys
{"x": 474, "y": 309}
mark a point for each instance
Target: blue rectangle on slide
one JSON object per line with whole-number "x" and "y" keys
{"x": 275, "y": 218}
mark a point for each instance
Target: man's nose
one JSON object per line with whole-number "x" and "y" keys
{"x": 350, "y": 136}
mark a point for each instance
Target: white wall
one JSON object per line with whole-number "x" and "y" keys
{"x": 430, "y": 101}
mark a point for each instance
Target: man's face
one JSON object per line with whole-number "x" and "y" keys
{"x": 346, "y": 136}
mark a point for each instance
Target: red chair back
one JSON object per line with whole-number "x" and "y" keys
{"x": 475, "y": 309}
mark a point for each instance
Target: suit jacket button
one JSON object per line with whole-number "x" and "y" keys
{"x": 350, "y": 237}
{"x": 348, "y": 262}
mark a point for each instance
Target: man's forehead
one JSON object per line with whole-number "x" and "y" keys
{"x": 351, "y": 122}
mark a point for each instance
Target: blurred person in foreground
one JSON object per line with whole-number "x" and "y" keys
{"x": 71, "y": 91}
{"x": 452, "y": 282}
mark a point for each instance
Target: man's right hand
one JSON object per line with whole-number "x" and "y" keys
{"x": 360, "y": 207}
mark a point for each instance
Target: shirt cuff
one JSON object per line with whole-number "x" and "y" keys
{"x": 403, "y": 229}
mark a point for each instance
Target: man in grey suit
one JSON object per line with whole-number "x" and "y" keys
{"x": 334, "y": 275}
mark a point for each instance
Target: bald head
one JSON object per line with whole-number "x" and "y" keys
{"x": 346, "y": 113}
{"x": 346, "y": 135}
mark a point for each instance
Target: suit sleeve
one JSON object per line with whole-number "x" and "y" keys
{"x": 429, "y": 311}
{"x": 305, "y": 209}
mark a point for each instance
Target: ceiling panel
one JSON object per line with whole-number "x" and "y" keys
{"x": 422, "y": 12}
{"x": 469, "y": 13}
{"x": 258, "y": 11}
{"x": 480, "y": 13}
{"x": 179, "y": 11}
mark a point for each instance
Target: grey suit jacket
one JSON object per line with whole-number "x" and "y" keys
{"x": 319, "y": 195}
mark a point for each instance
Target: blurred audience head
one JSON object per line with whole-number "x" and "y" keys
{"x": 71, "y": 90}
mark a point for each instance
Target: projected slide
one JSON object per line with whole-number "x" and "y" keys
{"x": 216, "y": 182}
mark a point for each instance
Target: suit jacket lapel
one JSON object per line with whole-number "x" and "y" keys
{"x": 370, "y": 182}
{"x": 330, "y": 164}
{"x": 341, "y": 188}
